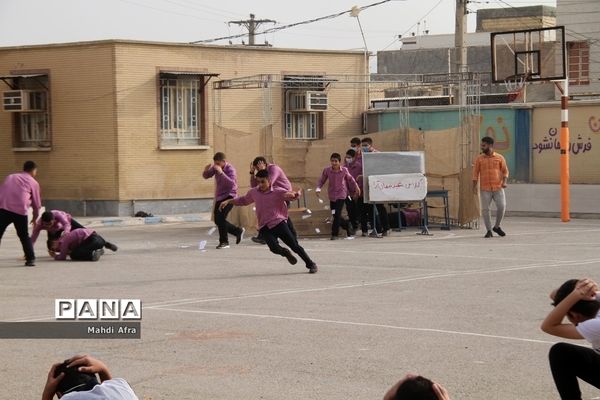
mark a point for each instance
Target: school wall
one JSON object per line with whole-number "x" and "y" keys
{"x": 82, "y": 163}
{"x": 237, "y": 123}
{"x": 527, "y": 136}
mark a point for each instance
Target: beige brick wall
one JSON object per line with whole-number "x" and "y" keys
{"x": 82, "y": 162}
{"x": 510, "y": 24}
{"x": 100, "y": 88}
{"x": 146, "y": 172}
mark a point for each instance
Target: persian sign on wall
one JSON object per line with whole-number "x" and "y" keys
{"x": 584, "y": 128}
{"x": 397, "y": 187}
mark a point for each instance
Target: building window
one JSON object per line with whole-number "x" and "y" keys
{"x": 305, "y": 105}
{"x": 303, "y": 125}
{"x": 27, "y": 99}
{"x": 579, "y": 63}
{"x": 182, "y": 108}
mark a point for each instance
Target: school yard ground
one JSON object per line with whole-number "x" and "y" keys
{"x": 242, "y": 323}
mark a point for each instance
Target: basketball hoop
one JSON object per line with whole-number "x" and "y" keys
{"x": 514, "y": 86}
{"x": 515, "y": 83}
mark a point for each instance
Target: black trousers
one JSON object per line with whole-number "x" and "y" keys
{"x": 569, "y": 362}
{"x": 52, "y": 236}
{"x": 382, "y": 221}
{"x": 336, "y": 211}
{"x": 353, "y": 211}
{"x": 290, "y": 225}
{"x": 225, "y": 227}
{"x": 20, "y": 223}
{"x": 84, "y": 251}
{"x": 282, "y": 231}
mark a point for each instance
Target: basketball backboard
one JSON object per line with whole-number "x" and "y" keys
{"x": 532, "y": 55}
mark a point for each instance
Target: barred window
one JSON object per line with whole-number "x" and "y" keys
{"x": 181, "y": 110}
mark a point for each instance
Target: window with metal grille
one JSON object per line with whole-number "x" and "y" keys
{"x": 30, "y": 108}
{"x": 181, "y": 111}
{"x": 579, "y": 62}
{"x": 303, "y": 125}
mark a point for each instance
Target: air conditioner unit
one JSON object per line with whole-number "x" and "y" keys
{"x": 24, "y": 100}
{"x": 307, "y": 101}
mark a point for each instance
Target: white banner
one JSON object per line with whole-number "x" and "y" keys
{"x": 397, "y": 187}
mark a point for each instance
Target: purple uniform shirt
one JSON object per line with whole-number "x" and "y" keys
{"x": 340, "y": 183}
{"x": 62, "y": 222}
{"x": 271, "y": 207}
{"x": 355, "y": 169}
{"x": 71, "y": 240}
{"x": 19, "y": 192}
{"x": 225, "y": 183}
{"x": 277, "y": 178}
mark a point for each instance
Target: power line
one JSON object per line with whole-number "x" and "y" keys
{"x": 168, "y": 11}
{"x": 279, "y": 28}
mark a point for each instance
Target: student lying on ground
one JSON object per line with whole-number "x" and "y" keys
{"x": 272, "y": 215}
{"x": 576, "y": 300}
{"x": 75, "y": 379}
{"x": 415, "y": 387}
{"x": 81, "y": 245}
{"x": 56, "y": 222}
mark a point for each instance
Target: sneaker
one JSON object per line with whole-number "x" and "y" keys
{"x": 223, "y": 246}
{"x": 488, "y": 234}
{"x": 258, "y": 240}
{"x": 96, "y": 254}
{"x": 290, "y": 257}
{"x": 312, "y": 268}
{"x": 374, "y": 234}
{"x": 385, "y": 233}
{"x": 334, "y": 238}
{"x": 499, "y": 231}
{"x": 365, "y": 233}
{"x": 30, "y": 263}
{"x": 240, "y": 236}
{"x": 111, "y": 246}
{"x": 351, "y": 231}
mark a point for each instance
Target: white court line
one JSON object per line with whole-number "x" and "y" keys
{"x": 376, "y": 283}
{"x": 477, "y": 234}
{"x": 362, "y": 324}
{"x": 405, "y": 253}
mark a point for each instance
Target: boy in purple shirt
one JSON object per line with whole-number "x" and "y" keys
{"x": 382, "y": 221}
{"x": 354, "y": 165}
{"x": 225, "y": 188}
{"x": 341, "y": 183}
{"x": 19, "y": 192}
{"x": 56, "y": 222}
{"x": 272, "y": 215}
{"x": 81, "y": 244}
{"x": 278, "y": 180}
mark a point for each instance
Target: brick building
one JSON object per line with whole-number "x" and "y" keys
{"x": 119, "y": 126}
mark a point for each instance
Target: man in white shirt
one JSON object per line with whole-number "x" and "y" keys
{"x": 75, "y": 379}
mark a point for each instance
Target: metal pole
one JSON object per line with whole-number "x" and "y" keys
{"x": 460, "y": 48}
{"x": 564, "y": 153}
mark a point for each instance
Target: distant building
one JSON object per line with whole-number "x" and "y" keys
{"x": 435, "y": 54}
{"x": 583, "y": 45}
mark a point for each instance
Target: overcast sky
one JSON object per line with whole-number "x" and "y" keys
{"x": 25, "y": 22}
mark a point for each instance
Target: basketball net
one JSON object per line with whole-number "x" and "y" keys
{"x": 514, "y": 87}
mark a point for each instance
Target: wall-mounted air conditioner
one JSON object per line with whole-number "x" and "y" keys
{"x": 24, "y": 100}
{"x": 307, "y": 101}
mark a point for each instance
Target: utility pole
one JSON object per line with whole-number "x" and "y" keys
{"x": 460, "y": 31}
{"x": 252, "y": 25}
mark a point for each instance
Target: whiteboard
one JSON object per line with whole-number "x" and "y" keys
{"x": 390, "y": 163}
{"x": 397, "y": 187}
